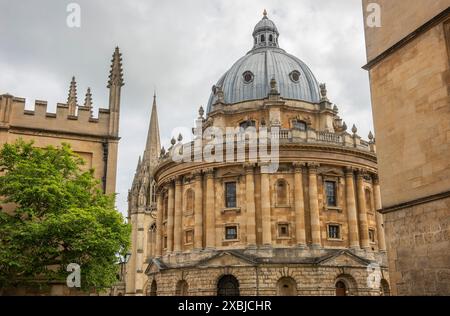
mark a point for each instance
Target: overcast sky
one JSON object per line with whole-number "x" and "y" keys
{"x": 178, "y": 48}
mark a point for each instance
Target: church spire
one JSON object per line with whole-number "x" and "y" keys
{"x": 116, "y": 72}
{"x": 153, "y": 145}
{"x": 72, "y": 98}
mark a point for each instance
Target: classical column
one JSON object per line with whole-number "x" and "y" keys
{"x": 210, "y": 211}
{"x": 170, "y": 215}
{"x": 379, "y": 216}
{"x": 352, "y": 215}
{"x": 159, "y": 224}
{"x": 300, "y": 233}
{"x": 250, "y": 199}
{"x": 265, "y": 207}
{"x": 363, "y": 223}
{"x": 314, "y": 206}
{"x": 198, "y": 213}
{"x": 177, "y": 222}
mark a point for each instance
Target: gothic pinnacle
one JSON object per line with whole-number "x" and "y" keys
{"x": 72, "y": 98}
{"x": 116, "y": 72}
{"x": 88, "y": 99}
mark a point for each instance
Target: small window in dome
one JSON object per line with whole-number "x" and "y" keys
{"x": 270, "y": 38}
{"x": 248, "y": 76}
{"x": 263, "y": 38}
{"x": 295, "y": 76}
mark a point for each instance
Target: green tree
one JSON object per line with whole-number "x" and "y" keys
{"x": 61, "y": 217}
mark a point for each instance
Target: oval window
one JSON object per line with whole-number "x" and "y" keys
{"x": 295, "y": 76}
{"x": 248, "y": 76}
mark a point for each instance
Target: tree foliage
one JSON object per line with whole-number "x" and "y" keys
{"x": 61, "y": 217}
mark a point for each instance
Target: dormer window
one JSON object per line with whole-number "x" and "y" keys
{"x": 248, "y": 76}
{"x": 295, "y": 76}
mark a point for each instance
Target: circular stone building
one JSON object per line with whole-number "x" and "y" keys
{"x": 235, "y": 227}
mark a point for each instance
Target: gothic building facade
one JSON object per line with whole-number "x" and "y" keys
{"x": 235, "y": 227}
{"x": 95, "y": 139}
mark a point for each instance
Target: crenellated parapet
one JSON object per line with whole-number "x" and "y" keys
{"x": 14, "y": 115}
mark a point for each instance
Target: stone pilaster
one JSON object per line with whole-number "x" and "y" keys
{"x": 159, "y": 224}
{"x": 250, "y": 200}
{"x": 300, "y": 233}
{"x": 210, "y": 216}
{"x": 170, "y": 217}
{"x": 265, "y": 207}
{"x": 198, "y": 211}
{"x": 379, "y": 216}
{"x": 352, "y": 215}
{"x": 177, "y": 223}
{"x": 363, "y": 223}
{"x": 314, "y": 206}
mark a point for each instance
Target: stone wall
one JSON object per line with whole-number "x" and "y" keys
{"x": 418, "y": 249}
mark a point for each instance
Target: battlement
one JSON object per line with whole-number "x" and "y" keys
{"x": 14, "y": 114}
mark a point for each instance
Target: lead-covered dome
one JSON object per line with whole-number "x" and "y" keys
{"x": 249, "y": 78}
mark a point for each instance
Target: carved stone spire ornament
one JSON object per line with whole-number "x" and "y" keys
{"x": 180, "y": 137}
{"x": 371, "y": 138}
{"x": 273, "y": 86}
{"x": 88, "y": 100}
{"x": 354, "y": 129}
{"x": 201, "y": 112}
{"x": 116, "y": 72}
{"x": 72, "y": 98}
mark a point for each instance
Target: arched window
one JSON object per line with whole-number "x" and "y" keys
{"x": 182, "y": 288}
{"x": 299, "y": 125}
{"x": 341, "y": 289}
{"x": 153, "y": 289}
{"x": 384, "y": 288}
{"x": 282, "y": 192}
{"x": 263, "y": 38}
{"x": 189, "y": 198}
{"x": 248, "y": 123}
{"x": 368, "y": 195}
{"x": 228, "y": 285}
{"x": 286, "y": 286}
{"x": 270, "y": 38}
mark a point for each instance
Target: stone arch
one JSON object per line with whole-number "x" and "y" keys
{"x": 345, "y": 285}
{"x": 286, "y": 286}
{"x": 385, "y": 289}
{"x": 153, "y": 288}
{"x": 228, "y": 285}
{"x": 182, "y": 288}
{"x": 282, "y": 192}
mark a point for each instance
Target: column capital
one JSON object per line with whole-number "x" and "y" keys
{"x": 349, "y": 171}
{"x": 178, "y": 180}
{"x": 197, "y": 174}
{"x": 361, "y": 172}
{"x": 313, "y": 167}
{"x": 375, "y": 179}
{"x": 209, "y": 172}
{"x": 248, "y": 167}
{"x": 299, "y": 166}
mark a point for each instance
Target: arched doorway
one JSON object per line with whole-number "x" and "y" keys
{"x": 384, "y": 288}
{"x": 182, "y": 288}
{"x": 286, "y": 286}
{"x": 153, "y": 289}
{"x": 341, "y": 288}
{"x": 228, "y": 285}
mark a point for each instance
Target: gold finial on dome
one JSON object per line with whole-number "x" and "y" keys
{"x": 265, "y": 12}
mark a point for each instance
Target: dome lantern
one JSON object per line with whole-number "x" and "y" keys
{"x": 265, "y": 33}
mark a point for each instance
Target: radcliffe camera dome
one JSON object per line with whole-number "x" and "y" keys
{"x": 249, "y": 78}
